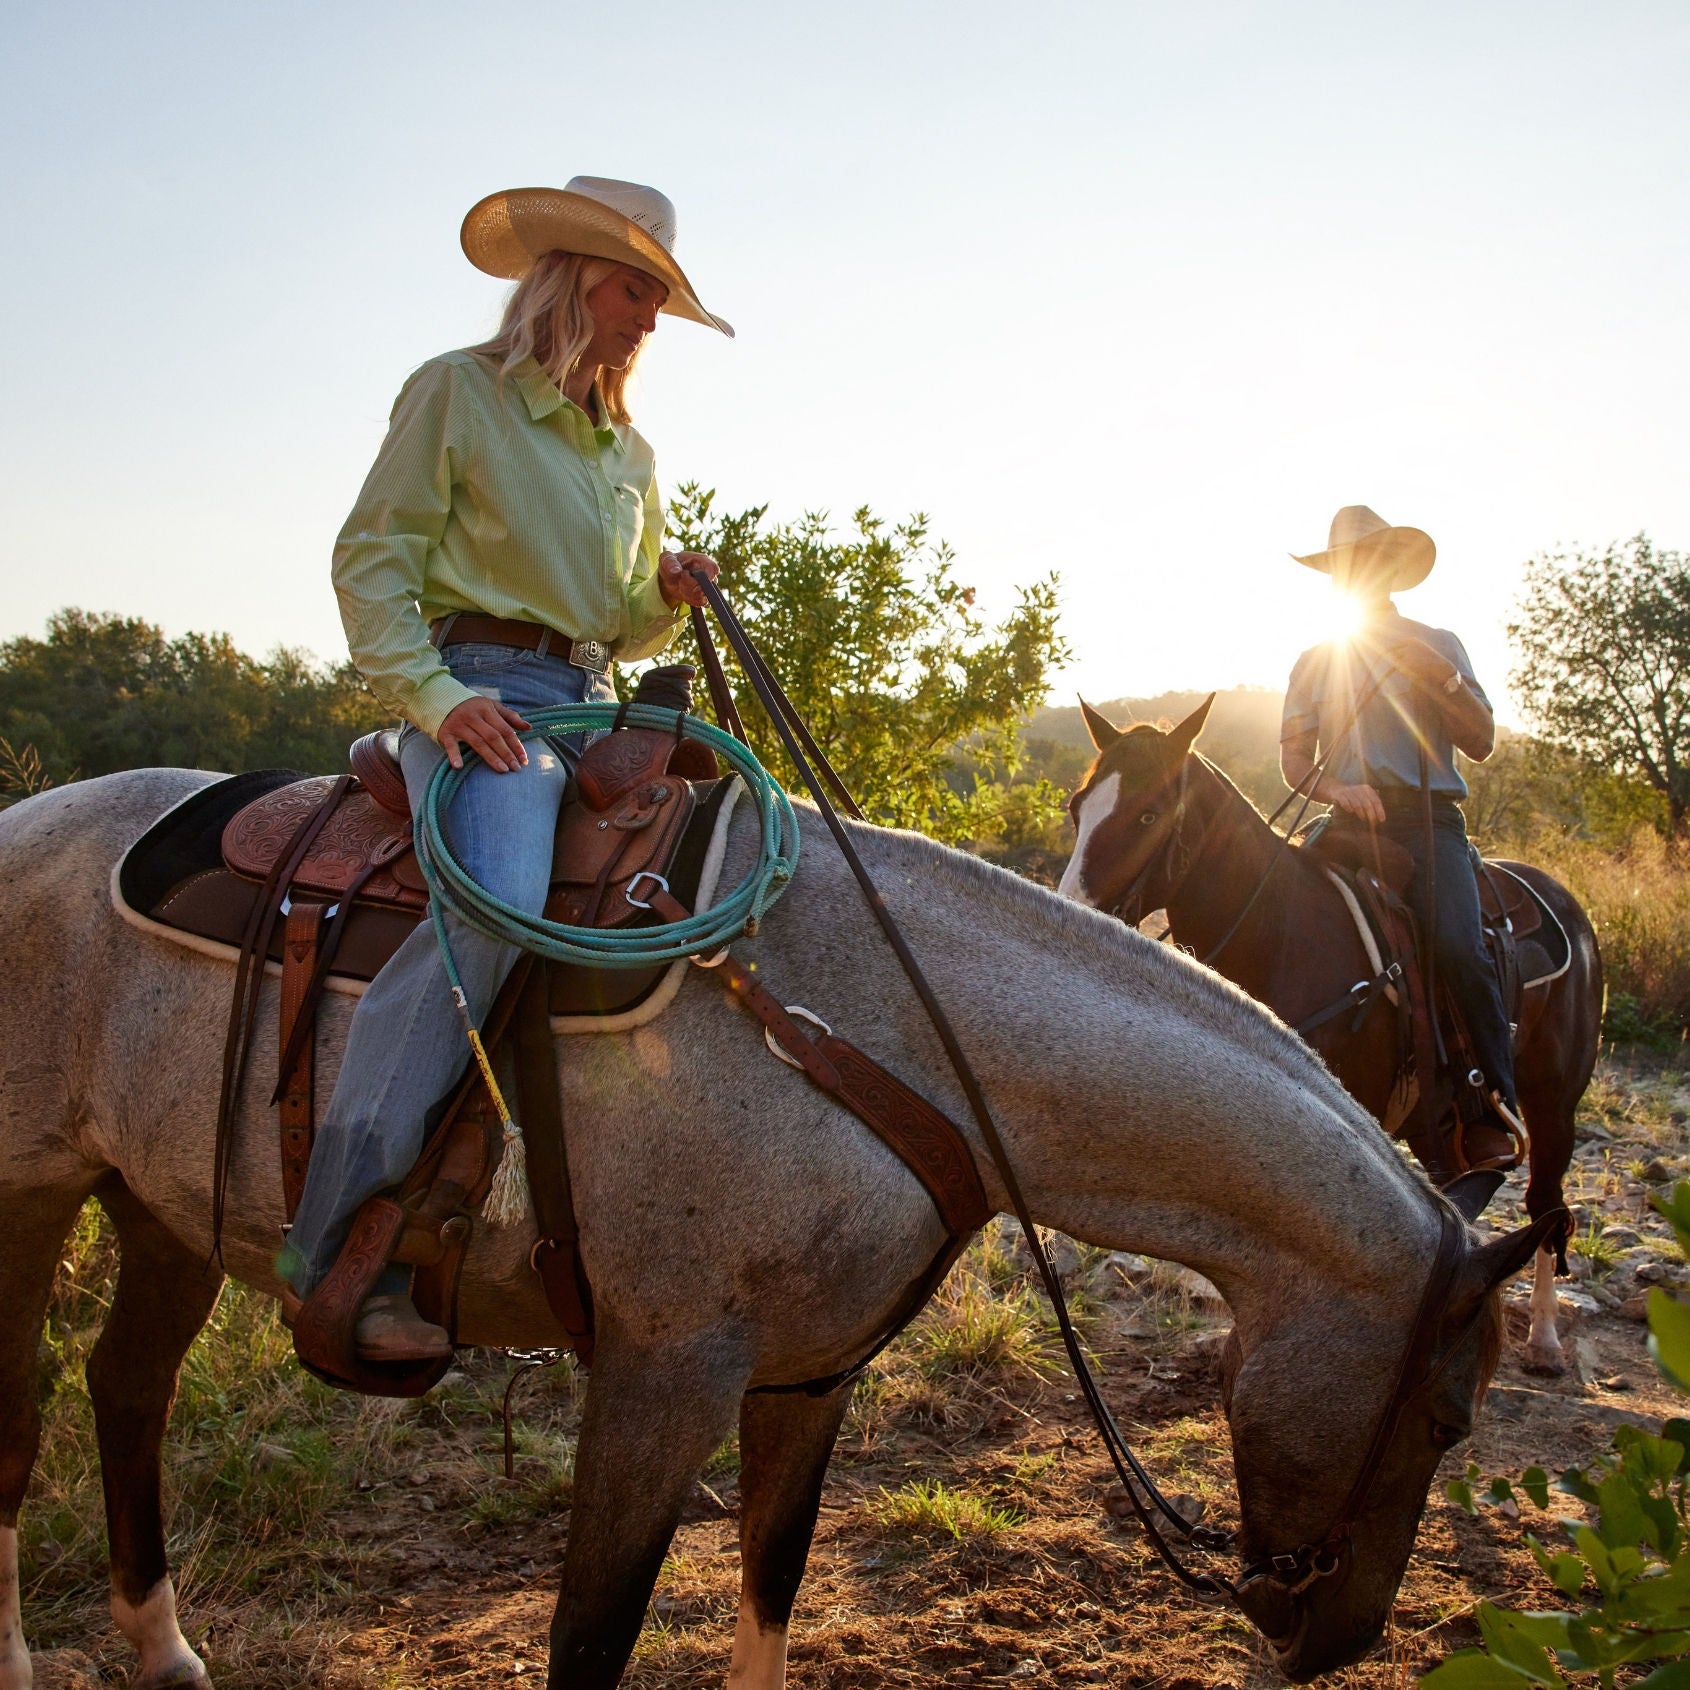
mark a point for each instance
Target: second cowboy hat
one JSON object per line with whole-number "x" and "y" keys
{"x": 596, "y": 215}
{"x": 1358, "y": 536}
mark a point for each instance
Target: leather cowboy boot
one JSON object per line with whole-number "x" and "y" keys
{"x": 390, "y": 1329}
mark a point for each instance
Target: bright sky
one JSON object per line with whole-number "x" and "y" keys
{"x": 1138, "y": 292}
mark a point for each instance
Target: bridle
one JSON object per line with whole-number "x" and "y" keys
{"x": 1295, "y": 1570}
{"x": 1170, "y": 848}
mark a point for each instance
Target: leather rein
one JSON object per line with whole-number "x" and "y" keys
{"x": 1294, "y": 1570}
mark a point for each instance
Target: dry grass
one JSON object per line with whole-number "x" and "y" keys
{"x": 1638, "y": 898}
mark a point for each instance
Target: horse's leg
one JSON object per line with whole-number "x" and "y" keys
{"x": 165, "y": 1294}
{"x": 1548, "y": 1111}
{"x": 652, "y": 1418}
{"x": 784, "y": 1445}
{"x": 34, "y": 1226}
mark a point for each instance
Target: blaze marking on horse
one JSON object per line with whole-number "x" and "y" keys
{"x": 1097, "y": 806}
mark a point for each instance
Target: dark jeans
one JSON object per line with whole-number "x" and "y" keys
{"x": 1464, "y": 965}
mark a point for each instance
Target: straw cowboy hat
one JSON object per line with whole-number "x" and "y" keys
{"x": 594, "y": 215}
{"x": 1362, "y": 537}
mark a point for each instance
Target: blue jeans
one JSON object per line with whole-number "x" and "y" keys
{"x": 406, "y": 1048}
{"x": 1464, "y": 965}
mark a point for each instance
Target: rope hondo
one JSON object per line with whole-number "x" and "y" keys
{"x": 452, "y": 888}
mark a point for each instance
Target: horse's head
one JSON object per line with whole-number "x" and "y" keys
{"x": 1129, "y": 814}
{"x": 1332, "y": 1483}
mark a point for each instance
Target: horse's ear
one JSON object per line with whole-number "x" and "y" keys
{"x": 1472, "y": 1191}
{"x": 1103, "y": 732}
{"x": 1503, "y": 1257}
{"x": 1182, "y": 738}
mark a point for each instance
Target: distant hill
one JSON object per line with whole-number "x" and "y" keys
{"x": 1241, "y": 735}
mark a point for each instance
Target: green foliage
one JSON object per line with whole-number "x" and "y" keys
{"x": 880, "y": 649}
{"x": 1604, "y": 670}
{"x": 102, "y": 693}
{"x": 1631, "y": 1552}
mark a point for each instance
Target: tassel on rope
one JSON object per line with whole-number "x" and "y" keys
{"x": 507, "y": 1196}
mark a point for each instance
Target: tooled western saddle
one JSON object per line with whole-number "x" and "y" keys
{"x": 319, "y": 875}
{"x": 1526, "y": 943}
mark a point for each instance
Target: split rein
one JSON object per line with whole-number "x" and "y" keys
{"x": 1293, "y": 1571}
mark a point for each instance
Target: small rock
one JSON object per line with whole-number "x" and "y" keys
{"x": 1028, "y": 1668}
{"x": 1118, "y": 1505}
{"x": 1655, "y": 1170}
{"x": 1191, "y": 1284}
{"x": 427, "y": 1504}
{"x": 1658, "y": 1273}
{"x": 1634, "y": 1308}
{"x": 1615, "y": 1382}
{"x": 1621, "y": 1237}
{"x": 1576, "y": 1303}
{"x": 270, "y": 1456}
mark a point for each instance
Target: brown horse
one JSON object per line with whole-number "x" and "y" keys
{"x": 1160, "y": 827}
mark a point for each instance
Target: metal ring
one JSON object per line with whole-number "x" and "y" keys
{"x": 798, "y": 1011}
{"x": 658, "y": 884}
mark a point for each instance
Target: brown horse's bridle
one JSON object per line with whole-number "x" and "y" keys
{"x": 1170, "y": 850}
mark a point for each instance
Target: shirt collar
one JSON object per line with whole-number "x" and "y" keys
{"x": 543, "y": 397}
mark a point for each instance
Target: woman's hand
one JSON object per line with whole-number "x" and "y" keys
{"x": 1362, "y": 802}
{"x": 488, "y": 729}
{"x": 674, "y": 576}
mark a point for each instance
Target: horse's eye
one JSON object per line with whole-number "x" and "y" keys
{"x": 1446, "y": 1436}
{"x": 1148, "y": 819}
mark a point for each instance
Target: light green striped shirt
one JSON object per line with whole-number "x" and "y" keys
{"x": 510, "y": 503}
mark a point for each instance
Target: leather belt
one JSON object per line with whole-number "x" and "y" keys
{"x": 464, "y": 626}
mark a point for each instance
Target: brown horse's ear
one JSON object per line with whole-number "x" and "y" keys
{"x": 1503, "y": 1257}
{"x": 1182, "y": 738}
{"x": 1103, "y": 732}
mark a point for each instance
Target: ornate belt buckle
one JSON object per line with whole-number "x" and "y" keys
{"x": 590, "y": 654}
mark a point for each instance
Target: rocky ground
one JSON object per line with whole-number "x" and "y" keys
{"x": 966, "y": 1534}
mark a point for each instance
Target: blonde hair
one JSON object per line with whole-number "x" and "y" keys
{"x": 546, "y": 319}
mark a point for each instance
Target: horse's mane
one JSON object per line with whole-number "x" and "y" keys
{"x": 1062, "y": 927}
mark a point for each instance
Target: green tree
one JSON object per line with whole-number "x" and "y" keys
{"x": 882, "y": 652}
{"x": 103, "y": 692}
{"x": 1604, "y": 661}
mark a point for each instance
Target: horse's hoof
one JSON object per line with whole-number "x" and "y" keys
{"x": 1543, "y": 1362}
{"x": 182, "y": 1675}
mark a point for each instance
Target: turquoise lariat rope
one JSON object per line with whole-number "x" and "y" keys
{"x": 451, "y": 887}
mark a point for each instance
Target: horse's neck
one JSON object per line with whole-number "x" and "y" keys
{"x": 1146, "y": 1105}
{"x": 1241, "y": 868}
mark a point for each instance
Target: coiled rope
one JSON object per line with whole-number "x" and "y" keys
{"x": 452, "y": 888}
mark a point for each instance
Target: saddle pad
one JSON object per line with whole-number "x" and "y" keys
{"x": 360, "y": 836}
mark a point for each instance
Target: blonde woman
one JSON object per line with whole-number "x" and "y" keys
{"x": 505, "y": 550}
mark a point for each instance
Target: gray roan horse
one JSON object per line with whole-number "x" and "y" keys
{"x": 742, "y": 1230}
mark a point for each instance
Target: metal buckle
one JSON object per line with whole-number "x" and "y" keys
{"x": 658, "y": 883}
{"x": 801, "y": 1013}
{"x": 593, "y": 655}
